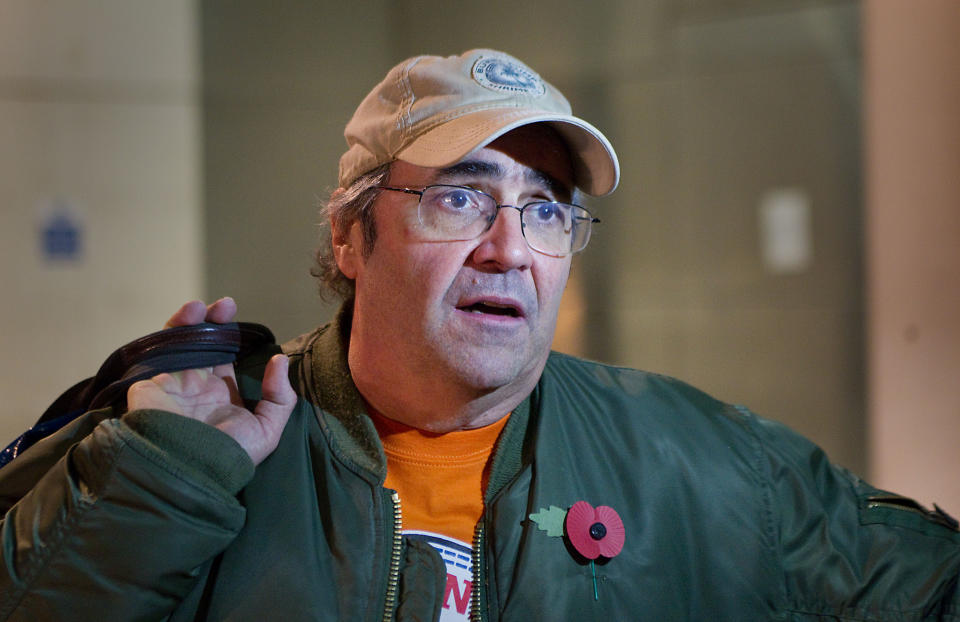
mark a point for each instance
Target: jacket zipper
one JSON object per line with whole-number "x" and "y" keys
{"x": 479, "y": 577}
{"x": 393, "y": 579}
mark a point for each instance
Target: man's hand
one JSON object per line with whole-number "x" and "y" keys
{"x": 210, "y": 394}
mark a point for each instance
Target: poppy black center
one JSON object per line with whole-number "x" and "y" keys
{"x": 598, "y": 531}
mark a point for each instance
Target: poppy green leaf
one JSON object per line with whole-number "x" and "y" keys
{"x": 550, "y": 520}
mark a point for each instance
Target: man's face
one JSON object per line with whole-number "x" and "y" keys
{"x": 469, "y": 316}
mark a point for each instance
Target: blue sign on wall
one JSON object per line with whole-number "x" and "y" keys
{"x": 61, "y": 235}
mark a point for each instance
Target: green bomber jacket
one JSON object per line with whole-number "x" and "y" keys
{"x": 727, "y": 516}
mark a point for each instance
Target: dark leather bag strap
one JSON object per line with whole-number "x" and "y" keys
{"x": 169, "y": 350}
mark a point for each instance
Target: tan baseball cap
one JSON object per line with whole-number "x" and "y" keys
{"x": 432, "y": 111}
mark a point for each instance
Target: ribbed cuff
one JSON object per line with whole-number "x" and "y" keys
{"x": 195, "y": 444}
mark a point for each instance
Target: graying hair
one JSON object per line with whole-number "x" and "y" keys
{"x": 353, "y": 204}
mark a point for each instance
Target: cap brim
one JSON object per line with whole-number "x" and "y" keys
{"x": 596, "y": 168}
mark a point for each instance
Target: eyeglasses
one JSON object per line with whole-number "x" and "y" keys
{"x": 451, "y": 213}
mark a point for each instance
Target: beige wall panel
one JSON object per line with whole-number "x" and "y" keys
{"x": 913, "y": 213}
{"x": 99, "y": 45}
{"x": 97, "y": 112}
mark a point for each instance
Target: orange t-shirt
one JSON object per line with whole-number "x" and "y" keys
{"x": 441, "y": 478}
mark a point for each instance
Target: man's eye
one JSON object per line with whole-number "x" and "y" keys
{"x": 548, "y": 213}
{"x": 457, "y": 199}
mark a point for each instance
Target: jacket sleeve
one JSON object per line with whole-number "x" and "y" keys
{"x": 849, "y": 550}
{"x": 119, "y": 527}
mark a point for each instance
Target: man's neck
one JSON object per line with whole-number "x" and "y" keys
{"x": 439, "y": 407}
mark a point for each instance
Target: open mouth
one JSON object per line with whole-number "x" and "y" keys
{"x": 492, "y": 309}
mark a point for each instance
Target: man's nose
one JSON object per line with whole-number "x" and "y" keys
{"x": 503, "y": 245}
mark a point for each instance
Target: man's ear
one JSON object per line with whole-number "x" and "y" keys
{"x": 347, "y": 245}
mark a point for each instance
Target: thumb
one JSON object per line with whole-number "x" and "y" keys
{"x": 279, "y": 397}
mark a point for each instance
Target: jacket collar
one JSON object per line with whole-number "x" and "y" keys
{"x": 324, "y": 378}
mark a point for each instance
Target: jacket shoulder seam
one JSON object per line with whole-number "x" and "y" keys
{"x": 766, "y": 492}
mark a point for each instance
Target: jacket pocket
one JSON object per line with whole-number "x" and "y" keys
{"x": 892, "y": 509}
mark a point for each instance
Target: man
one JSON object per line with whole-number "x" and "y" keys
{"x": 424, "y": 455}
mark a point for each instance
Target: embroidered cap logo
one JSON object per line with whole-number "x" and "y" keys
{"x": 503, "y": 74}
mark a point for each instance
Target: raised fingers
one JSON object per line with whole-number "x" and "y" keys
{"x": 195, "y": 311}
{"x": 190, "y": 313}
{"x": 221, "y": 311}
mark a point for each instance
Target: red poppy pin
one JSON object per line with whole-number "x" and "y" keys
{"x": 592, "y": 532}
{"x": 595, "y": 532}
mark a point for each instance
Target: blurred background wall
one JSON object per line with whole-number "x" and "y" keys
{"x": 191, "y": 142}
{"x": 100, "y": 186}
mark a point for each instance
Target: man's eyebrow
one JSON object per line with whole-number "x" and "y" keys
{"x": 469, "y": 168}
{"x": 481, "y": 168}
